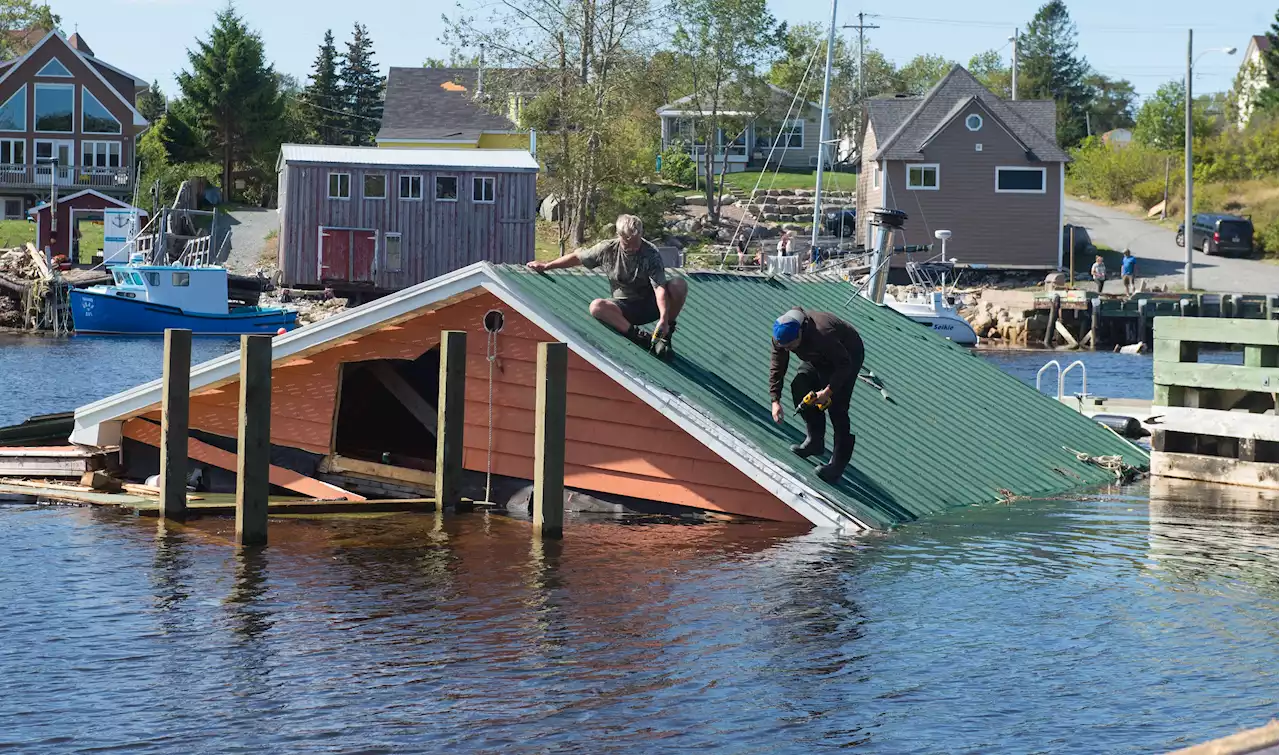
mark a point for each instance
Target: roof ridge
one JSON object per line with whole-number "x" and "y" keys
{"x": 924, "y": 101}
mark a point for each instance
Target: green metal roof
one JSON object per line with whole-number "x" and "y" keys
{"x": 955, "y": 430}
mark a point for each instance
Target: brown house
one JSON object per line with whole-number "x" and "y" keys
{"x": 962, "y": 159}
{"x": 60, "y": 102}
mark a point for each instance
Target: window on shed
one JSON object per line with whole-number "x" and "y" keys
{"x": 482, "y": 190}
{"x": 339, "y": 185}
{"x": 446, "y": 188}
{"x": 375, "y": 186}
{"x": 391, "y": 255}
{"x": 411, "y": 187}
{"x": 922, "y": 176}
{"x": 1020, "y": 180}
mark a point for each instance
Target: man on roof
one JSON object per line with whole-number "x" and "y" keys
{"x": 831, "y": 354}
{"x": 642, "y": 293}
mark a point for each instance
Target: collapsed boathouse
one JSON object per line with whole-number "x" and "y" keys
{"x": 352, "y": 404}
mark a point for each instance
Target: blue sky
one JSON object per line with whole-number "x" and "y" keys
{"x": 1143, "y": 41}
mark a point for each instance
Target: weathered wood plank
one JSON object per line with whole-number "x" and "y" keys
{"x": 1215, "y": 422}
{"x": 1221, "y": 376}
{"x": 1218, "y": 469}
{"x": 452, "y": 407}
{"x": 336, "y": 464}
{"x": 1066, "y": 334}
{"x": 1165, "y": 350}
{"x": 548, "y": 442}
{"x": 253, "y": 454}
{"x": 175, "y": 414}
{"x": 1219, "y": 330}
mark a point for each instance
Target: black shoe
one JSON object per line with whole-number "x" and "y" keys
{"x": 815, "y": 428}
{"x": 842, "y": 451}
{"x": 639, "y": 336}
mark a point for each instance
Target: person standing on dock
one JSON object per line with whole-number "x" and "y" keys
{"x": 641, "y": 291}
{"x": 1099, "y": 272}
{"x": 831, "y": 353}
{"x": 1126, "y": 272}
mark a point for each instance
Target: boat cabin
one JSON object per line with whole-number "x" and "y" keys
{"x": 191, "y": 289}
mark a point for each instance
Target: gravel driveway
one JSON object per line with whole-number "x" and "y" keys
{"x": 1161, "y": 261}
{"x": 249, "y": 229}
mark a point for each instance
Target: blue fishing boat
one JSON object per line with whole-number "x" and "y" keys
{"x": 147, "y": 299}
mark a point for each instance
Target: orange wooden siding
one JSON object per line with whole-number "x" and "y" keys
{"x": 615, "y": 442}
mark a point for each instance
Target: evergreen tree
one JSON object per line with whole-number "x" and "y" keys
{"x": 362, "y": 89}
{"x": 232, "y": 93}
{"x": 322, "y": 100}
{"x": 1113, "y": 103}
{"x": 1048, "y": 68}
{"x": 1265, "y": 102}
{"x": 151, "y": 103}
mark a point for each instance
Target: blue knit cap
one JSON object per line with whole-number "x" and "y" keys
{"x": 786, "y": 329}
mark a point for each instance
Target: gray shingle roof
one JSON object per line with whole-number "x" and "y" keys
{"x": 423, "y": 103}
{"x": 903, "y": 125}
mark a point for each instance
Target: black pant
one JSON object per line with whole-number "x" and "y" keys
{"x": 810, "y": 379}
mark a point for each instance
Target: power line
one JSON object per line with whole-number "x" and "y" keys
{"x": 1083, "y": 27}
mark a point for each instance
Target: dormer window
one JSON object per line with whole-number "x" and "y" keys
{"x": 54, "y": 68}
{"x": 973, "y": 122}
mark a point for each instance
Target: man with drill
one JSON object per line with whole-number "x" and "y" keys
{"x": 831, "y": 354}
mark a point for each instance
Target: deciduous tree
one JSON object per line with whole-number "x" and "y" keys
{"x": 1113, "y": 103}
{"x": 990, "y": 69}
{"x": 921, "y": 73}
{"x": 1161, "y": 122}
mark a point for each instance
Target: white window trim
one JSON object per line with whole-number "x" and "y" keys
{"x": 329, "y": 185}
{"x": 385, "y": 260}
{"x": 95, "y": 143}
{"x": 492, "y": 181}
{"x": 43, "y": 75}
{"x": 84, "y": 92}
{"x": 1044, "y": 180}
{"x": 35, "y": 116}
{"x": 15, "y": 166}
{"x": 787, "y": 132}
{"x": 364, "y": 178}
{"x": 422, "y": 190}
{"x": 456, "y": 188}
{"x": 937, "y": 172}
{"x": 875, "y": 176}
{"x": 973, "y": 128}
{"x": 21, "y": 93}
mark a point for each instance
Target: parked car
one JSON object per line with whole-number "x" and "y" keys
{"x": 1080, "y": 236}
{"x": 1214, "y": 233}
{"x": 841, "y": 222}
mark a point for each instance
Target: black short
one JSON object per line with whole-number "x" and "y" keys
{"x": 639, "y": 311}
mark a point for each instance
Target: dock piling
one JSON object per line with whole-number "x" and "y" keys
{"x": 449, "y": 418}
{"x": 253, "y": 457}
{"x": 548, "y": 440}
{"x": 175, "y": 412}
{"x": 1095, "y": 320}
{"x": 1050, "y": 331}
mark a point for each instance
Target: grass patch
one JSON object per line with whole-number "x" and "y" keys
{"x": 546, "y": 240}
{"x": 16, "y": 233}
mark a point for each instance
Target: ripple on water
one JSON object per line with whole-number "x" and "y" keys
{"x": 1126, "y": 621}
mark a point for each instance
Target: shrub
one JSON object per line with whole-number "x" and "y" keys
{"x": 632, "y": 199}
{"x": 677, "y": 166}
{"x": 1149, "y": 192}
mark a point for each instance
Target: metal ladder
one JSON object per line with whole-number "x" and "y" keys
{"x": 1062, "y": 377}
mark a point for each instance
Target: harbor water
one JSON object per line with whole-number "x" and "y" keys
{"x": 1123, "y": 620}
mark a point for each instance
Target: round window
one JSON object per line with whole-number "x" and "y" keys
{"x": 973, "y": 122}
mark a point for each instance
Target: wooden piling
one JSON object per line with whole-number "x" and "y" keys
{"x": 1095, "y": 320}
{"x": 175, "y": 413}
{"x": 548, "y": 440}
{"x": 1049, "y": 331}
{"x": 449, "y": 418}
{"x": 253, "y": 453}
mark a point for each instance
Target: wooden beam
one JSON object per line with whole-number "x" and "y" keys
{"x": 336, "y": 464}
{"x": 1066, "y": 334}
{"x": 175, "y": 413}
{"x": 253, "y": 454}
{"x": 1261, "y": 356}
{"x": 1054, "y": 303}
{"x": 548, "y": 439}
{"x": 1165, "y": 350}
{"x": 1218, "y": 469}
{"x": 1095, "y": 321}
{"x": 406, "y": 394}
{"x": 149, "y": 433}
{"x": 1226, "y": 330}
{"x": 449, "y": 426}
{"x": 1220, "y": 376}
{"x": 1215, "y": 422}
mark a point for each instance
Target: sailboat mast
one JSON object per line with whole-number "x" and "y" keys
{"x": 822, "y": 130}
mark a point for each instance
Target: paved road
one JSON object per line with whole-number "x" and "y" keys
{"x": 1161, "y": 261}
{"x": 249, "y": 229}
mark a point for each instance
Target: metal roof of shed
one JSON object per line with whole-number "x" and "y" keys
{"x": 462, "y": 159}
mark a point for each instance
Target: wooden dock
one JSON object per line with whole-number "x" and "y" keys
{"x": 1216, "y": 422}
{"x": 1078, "y": 317}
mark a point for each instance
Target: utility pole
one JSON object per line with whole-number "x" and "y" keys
{"x": 823, "y": 134}
{"x": 1187, "y": 235}
{"x": 862, "y": 27}
{"x": 1013, "y": 79}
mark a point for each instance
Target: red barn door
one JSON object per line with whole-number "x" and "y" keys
{"x": 364, "y": 245}
{"x": 335, "y": 254}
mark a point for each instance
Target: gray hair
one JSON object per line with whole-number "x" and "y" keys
{"x": 629, "y": 226}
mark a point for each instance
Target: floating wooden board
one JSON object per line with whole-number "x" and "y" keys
{"x": 1223, "y": 424}
{"x": 146, "y": 432}
{"x": 1254, "y": 474}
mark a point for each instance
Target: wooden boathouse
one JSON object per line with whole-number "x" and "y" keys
{"x": 353, "y": 406}
{"x": 370, "y": 220}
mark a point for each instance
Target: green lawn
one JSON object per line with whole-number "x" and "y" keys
{"x": 18, "y": 232}
{"x": 831, "y": 181}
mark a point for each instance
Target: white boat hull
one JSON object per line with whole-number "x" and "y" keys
{"x": 944, "y": 322}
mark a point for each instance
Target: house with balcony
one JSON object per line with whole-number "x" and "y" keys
{"x": 68, "y": 122}
{"x": 767, "y": 127}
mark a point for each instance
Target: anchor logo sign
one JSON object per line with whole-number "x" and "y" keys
{"x": 87, "y": 305}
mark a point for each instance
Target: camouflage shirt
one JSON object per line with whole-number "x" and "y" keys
{"x": 633, "y": 275}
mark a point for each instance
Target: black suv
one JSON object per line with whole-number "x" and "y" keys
{"x": 1219, "y": 234}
